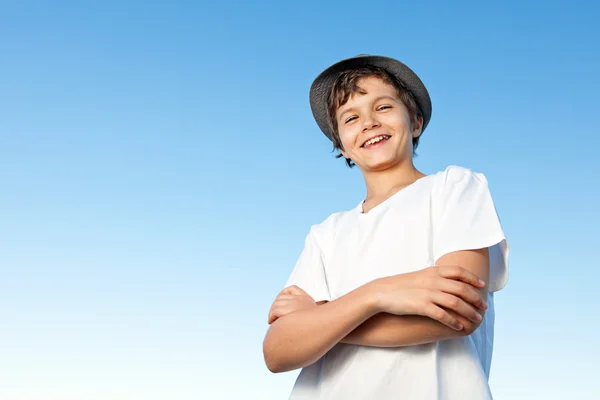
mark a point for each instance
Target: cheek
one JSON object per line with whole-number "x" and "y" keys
{"x": 347, "y": 139}
{"x": 402, "y": 122}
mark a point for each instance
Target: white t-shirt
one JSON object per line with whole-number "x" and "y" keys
{"x": 438, "y": 214}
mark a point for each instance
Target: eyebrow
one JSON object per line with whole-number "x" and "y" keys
{"x": 375, "y": 100}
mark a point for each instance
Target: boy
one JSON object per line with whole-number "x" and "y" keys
{"x": 387, "y": 300}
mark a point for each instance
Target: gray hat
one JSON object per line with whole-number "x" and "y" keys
{"x": 321, "y": 87}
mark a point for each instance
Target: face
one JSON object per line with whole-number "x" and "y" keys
{"x": 375, "y": 127}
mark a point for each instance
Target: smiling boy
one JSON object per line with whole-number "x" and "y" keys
{"x": 393, "y": 298}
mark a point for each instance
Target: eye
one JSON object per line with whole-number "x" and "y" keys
{"x": 384, "y": 107}
{"x": 350, "y": 119}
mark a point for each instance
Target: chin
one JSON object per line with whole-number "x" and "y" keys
{"x": 379, "y": 165}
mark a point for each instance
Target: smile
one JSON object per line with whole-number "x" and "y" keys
{"x": 375, "y": 140}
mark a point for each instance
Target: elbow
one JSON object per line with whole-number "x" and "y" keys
{"x": 274, "y": 367}
{"x": 467, "y": 331}
{"x": 275, "y": 364}
{"x": 271, "y": 358}
{"x": 272, "y": 363}
{"x": 282, "y": 352}
{"x": 279, "y": 359}
{"x": 469, "y": 328}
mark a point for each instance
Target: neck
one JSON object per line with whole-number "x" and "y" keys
{"x": 382, "y": 184}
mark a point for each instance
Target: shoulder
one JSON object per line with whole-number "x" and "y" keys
{"x": 456, "y": 179}
{"x": 456, "y": 174}
{"x": 323, "y": 233}
{"x": 330, "y": 223}
{"x": 458, "y": 186}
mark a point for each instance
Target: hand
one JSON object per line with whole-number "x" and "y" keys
{"x": 289, "y": 300}
{"x": 432, "y": 291}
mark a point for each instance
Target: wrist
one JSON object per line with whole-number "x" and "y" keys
{"x": 373, "y": 293}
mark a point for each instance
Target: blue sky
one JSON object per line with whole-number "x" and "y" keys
{"x": 160, "y": 169}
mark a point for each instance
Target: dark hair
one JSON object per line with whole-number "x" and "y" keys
{"x": 346, "y": 85}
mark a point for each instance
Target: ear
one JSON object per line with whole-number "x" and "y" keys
{"x": 417, "y": 128}
{"x": 344, "y": 154}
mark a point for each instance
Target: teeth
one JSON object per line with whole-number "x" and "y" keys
{"x": 375, "y": 140}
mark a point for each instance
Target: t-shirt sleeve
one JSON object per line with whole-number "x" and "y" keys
{"x": 467, "y": 220}
{"x": 309, "y": 272}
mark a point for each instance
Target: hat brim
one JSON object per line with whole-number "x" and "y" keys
{"x": 321, "y": 86}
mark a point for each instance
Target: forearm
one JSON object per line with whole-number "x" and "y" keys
{"x": 388, "y": 330}
{"x": 302, "y": 337}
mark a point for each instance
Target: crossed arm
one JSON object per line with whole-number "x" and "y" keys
{"x": 394, "y": 312}
{"x": 389, "y": 330}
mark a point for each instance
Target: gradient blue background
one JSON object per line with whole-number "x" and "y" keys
{"x": 160, "y": 168}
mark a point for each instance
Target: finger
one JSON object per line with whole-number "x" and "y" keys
{"x": 457, "y": 304}
{"x": 284, "y": 296}
{"x": 272, "y": 317}
{"x": 467, "y": 324}
{"x": 283, "y": 308}
{"x": 465, "y": 291}
{"x": 281, "y": 303}
{"x": 277, "y": 312}
{"x": 273, "y": 313}
{"x": 294, "y": 290}
{"x": 434, "y": 312}
{"x": 461, "y": 274}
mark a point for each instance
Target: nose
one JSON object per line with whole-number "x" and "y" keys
{"x": 369, "y": 122}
